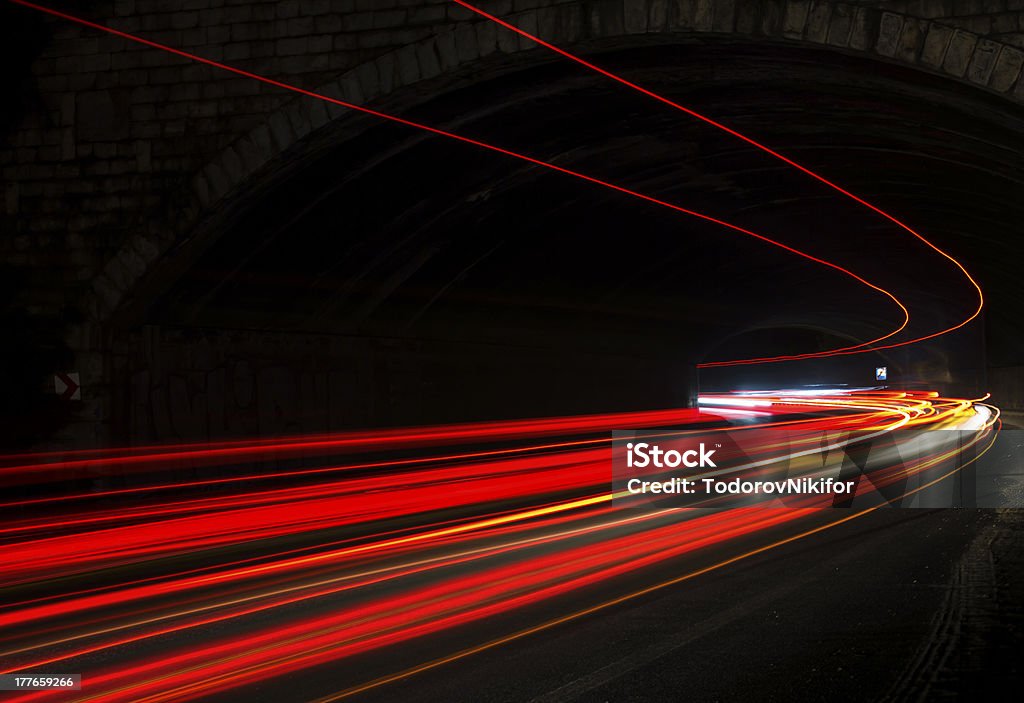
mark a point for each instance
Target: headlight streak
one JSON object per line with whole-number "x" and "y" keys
{"x": 336, "y": 443}
{"x": 170, "y": 457}
{"x": 25, "y": 614}
{"x": 211, "y": 677}
{"x": 495, "y": 592}
{"x": 521, "y": 634}
{"x": 371, "y": 576}
{"x": 679, "y": 417}
{"x": 850, "y": 421}
{"x": 104, "y": 623}
{"x": 274, "y": 513}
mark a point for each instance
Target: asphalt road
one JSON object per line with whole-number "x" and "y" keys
{"x": 794, "y": 605}
{"x": 870, "y": 609}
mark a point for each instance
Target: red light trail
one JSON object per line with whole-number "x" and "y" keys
{"x": 383, "y": 537}
{"x": 379, "y": 590}
{"x": 854, "y": 349}
{"x": 768, "y": 150}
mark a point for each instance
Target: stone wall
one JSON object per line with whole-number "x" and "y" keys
{"x": 181, "y": 385}
{"x": 124, "y": 150}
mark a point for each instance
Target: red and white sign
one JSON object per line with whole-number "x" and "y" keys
{"x": 68, "y": 385}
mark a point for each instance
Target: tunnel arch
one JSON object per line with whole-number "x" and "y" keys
{"x": 853, "y": 371}
{"x": 152, "y": 258}
{"x": 472, "y": 50}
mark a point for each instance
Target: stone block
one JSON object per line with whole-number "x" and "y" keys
{"x": 723, "y": 15}
{"x": 840, "y": 25}
{"x": 979, "y": 70}
{"x": 958, "y": 56}
{"x": 795, "y": 18}
{"x": 935, "y": 44}
{"x": 818, "y": 21}
{"x": 864, "y": 32}
{"x": 1007, "y": 69}
{"x": 634, "y": 15}
{"x": 748, "y": 16}
{"x": 889, "y": 32}
{"x": 428, "y": 60}
{"x": 409, "y": 65}
{"x": 486, "y": 39}
{"x": 911, "y": 39}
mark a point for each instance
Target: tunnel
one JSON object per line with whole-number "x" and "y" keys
{"x": 364, "y": 273}
{"x": 332, "y": 329}
{"x": 429, "y": 280}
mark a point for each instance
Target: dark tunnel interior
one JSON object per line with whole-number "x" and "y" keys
{"x": 523, "y": 289}
{"x": 377, "y": 275}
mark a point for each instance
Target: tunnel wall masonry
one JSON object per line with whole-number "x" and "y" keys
{"x": 123, "y": 149}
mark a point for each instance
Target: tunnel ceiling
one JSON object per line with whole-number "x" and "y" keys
{"x": 395, "y": 233}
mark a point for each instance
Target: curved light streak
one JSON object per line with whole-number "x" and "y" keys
{"x": 506, "y": 152}
{"x": 781, "y": 157}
